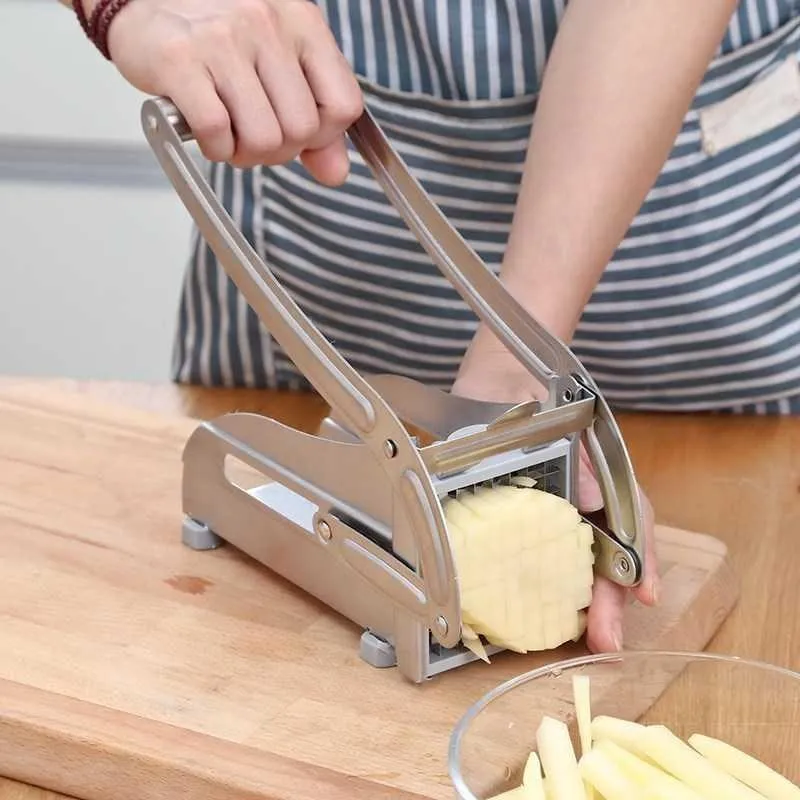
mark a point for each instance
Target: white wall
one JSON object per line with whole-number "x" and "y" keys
{"x": 91, "y": 257}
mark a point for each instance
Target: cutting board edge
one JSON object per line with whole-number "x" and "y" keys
{"x": 120, "y": 741}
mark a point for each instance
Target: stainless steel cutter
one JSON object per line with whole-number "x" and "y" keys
{"x": 353, "y": 515}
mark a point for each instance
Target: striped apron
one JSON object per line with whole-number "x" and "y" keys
{"x": 698, "y": 310}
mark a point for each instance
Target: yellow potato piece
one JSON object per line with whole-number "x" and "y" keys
{"x": 558, "y": 760}
{"x": 675, "y": 756}
{"x": 620, "y": 731}
{"x": 748, "y": 770}
{"x": 581, "y": 697}
{"x": 532, "y": 779}
{"x": 624, "y": 760}
{"x": 517, "y": 793}
{"x": 657, "y": 782}
{"x": 607, "y": 778}
{"x": 525, "y": 567}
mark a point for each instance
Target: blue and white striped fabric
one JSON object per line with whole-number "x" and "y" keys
{"x": 699, "y": 308}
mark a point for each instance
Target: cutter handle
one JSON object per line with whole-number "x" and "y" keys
{"x": 362, "y": 407}
{"x": 535, "y": 347}
{"x": 333, "y": 377}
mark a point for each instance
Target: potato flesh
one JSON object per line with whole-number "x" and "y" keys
{"x": 559, "y": 761}
{"x": 607, "y": 777}
{"x": 675, "y": 756}
{"x": 631, "y": 761}
{"x": 525, "y": 567}
{"x": 581, "y": 697}
{"x": 747, "y": 769}
{"x": 532, "y": 779}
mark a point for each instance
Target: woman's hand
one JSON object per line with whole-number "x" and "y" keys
{"x": 258, "y": 81}
{"x": 489, "y": 372}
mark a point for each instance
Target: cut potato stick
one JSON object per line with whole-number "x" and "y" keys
{"x": 583, "y": 711}
{"x": 532, "y": 778}
{"x": 624, "y": 733}
{"x": 607, "y": 777}
{"x": 624, "y": 760}
{"x": 517, "y": 793}
{"x": 745, "y": 768}
{"x": 558, "y": 760}
{"x": 687, "y": 765}
{"x": 657, "y": 782}
{"x": 581, "y": 697}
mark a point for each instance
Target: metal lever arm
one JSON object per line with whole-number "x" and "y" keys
{"x": 331, "y": 375}
{"x": 538, "y": 350}
{"x": 364, "y": 410}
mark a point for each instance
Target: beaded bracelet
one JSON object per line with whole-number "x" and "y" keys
{"x": 97, "y": 26}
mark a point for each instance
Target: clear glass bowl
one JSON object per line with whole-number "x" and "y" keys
{"x": 748, "y": 704}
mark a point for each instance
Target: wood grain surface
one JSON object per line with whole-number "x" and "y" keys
{"x": 90, "y": 523}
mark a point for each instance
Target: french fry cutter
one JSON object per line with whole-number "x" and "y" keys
{"x": 353, "y": 515}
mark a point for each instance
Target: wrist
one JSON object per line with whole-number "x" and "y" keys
{"x": 96, "y": 17}
{"x": 489, "y": 371}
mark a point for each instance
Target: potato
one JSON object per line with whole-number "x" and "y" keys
{"x": 747, "y": 769}
{"x": 607, "y": 777}
{"x": 525, "y": 567}
{"x": 649, "y": 777}
{"x": 559, "y": 761}
{"x": 620, "y": 731}
{"x": 532, "y": 779}
{"x": 626, "y": 760}
{"x": 686, "y": 764}
{"x": 581, "y": 697}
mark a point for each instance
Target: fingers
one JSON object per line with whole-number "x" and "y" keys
{"x": 339, "y": 103}
{"x": 297, "y": 94}
{"x": 255, "y": 129}
{"x": 649, "y": 590}
{"x": 329, "y": 165}
{"x": 604, "y": 629}
{"x": 288, "y": 93}
{"x": 206, "y": 116}
{"x": 332, "y": 82}
{"x": 604, "y": 623}
{"x": 258, "y": 81}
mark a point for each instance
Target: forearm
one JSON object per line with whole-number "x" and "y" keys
{"x": 617, "y": 86}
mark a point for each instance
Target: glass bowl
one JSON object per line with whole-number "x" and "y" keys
{"x": 750, "y": 705}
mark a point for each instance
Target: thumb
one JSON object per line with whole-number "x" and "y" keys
{"x": 330, "y": 165}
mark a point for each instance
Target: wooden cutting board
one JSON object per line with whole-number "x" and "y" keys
{"x": 133, "y": 667}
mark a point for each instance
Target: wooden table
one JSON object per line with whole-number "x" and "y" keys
{"x": 735, "y": 478}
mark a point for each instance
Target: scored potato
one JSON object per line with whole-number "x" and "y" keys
{"x": 525, "y": 567}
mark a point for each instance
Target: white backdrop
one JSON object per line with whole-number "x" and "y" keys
{"x": 93, "y": 241}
